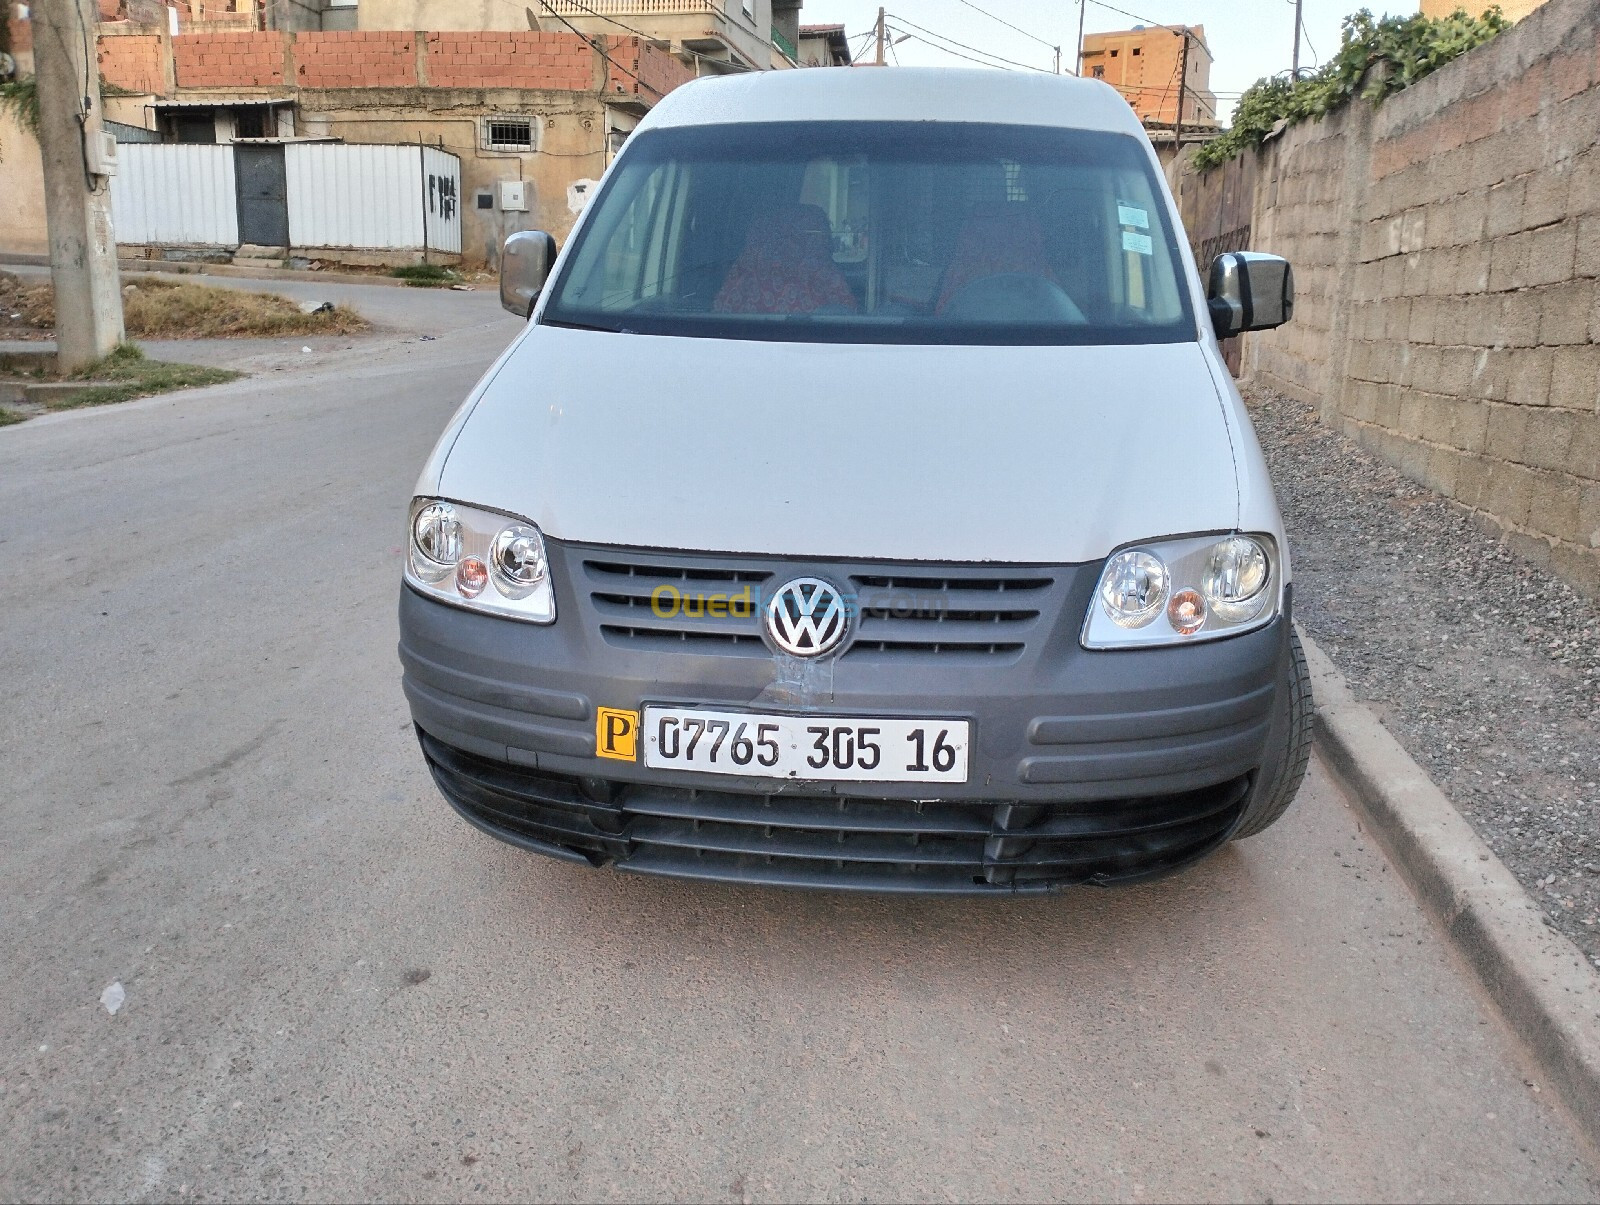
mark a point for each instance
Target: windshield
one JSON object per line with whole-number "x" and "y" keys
{"x": 879, "y": 232}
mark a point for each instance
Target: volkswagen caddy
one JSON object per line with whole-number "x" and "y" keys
{"x": 865, "y": 504}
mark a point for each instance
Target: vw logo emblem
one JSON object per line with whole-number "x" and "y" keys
{"x": 806, "y": 617}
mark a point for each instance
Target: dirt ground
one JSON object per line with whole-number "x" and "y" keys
{"x": 1484, "y": 666}
{"x": 165, "y": 308}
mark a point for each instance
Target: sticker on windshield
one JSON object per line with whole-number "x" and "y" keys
{"x": 1137, "y": 242}
{"x": 1132, "y": 215}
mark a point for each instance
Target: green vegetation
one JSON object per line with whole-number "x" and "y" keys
{"x": 20, "y": 98}
{"x": 129, "y": 375}
{"x": 1376, "y": 57}
{"x": 425, "y": 276}
{"x": 7, "y": 417}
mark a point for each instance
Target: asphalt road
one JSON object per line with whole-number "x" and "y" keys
{"x": 335, "y": 989}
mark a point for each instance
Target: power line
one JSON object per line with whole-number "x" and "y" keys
{"x": 595, "y": 45}
{"x": 608, "y": 20}
{"x": 963, "y": 45}
{"x": 958, "y": 54}
{"x": 1008, "y": 24}
{"x": 1124, "y": 12}
{"x": 1181, "y": 31}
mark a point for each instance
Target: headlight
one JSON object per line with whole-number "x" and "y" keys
{"x": 1183, "y": 591}
{"x": 1133, "y": 588}
{"x": 479, "y": 559}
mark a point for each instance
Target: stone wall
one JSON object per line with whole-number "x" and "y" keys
{"x": 1446, "y": 247}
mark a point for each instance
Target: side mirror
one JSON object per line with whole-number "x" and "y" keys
{"x": 1249, "y": 292}
{"x": 524, "y": 266}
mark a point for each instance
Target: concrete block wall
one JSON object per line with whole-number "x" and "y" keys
{"x": 1447, "y": 255}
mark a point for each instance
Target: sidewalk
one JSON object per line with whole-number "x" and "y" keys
{"x": 1485, "y": 668}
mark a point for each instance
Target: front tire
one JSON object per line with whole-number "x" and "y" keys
{"x": 1289, "y": 750}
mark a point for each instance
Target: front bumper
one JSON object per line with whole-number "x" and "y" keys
{"x": 1083, "y": 766}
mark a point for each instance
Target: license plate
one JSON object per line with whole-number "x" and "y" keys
{"x": 833, "y": 748}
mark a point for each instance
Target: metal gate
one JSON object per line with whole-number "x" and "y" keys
{"x": 263, "y": 195}
{"x": 308, "y": 195}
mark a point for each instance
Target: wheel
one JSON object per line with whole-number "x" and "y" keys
{"x": 1290, "y": 750}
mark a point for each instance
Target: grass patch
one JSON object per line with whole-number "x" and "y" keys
{"x": 167, "y": 309}
{"x": 155, "y": 307}
{"x": 426, "y": 276}
{"x": 7, "y": 417}
{"x": 129, "y": 375}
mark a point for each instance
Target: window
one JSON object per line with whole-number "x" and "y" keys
{"x": 509, "y": 133}
{"x": 879, "y": 232}
{"x": 1099, "y": 73}
{"x": 252, "y": 122}
{"x": 1136, "y": 52}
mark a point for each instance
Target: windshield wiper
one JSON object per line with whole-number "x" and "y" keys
{"x": 584, "y": 326}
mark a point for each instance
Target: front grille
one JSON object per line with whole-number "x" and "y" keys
{"x": 971, "y": 612}
{"x": 621, "y": 593}
{"x": 827, "y": 841}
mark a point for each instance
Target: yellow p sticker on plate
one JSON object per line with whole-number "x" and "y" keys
{"x": 616, "y": 733}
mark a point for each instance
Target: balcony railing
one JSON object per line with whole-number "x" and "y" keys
{"x": 636, "y": 8}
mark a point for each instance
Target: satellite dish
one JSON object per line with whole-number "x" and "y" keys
{"x": 8, "y": 66}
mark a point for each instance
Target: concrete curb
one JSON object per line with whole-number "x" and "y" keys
{"x": 1540, "y": 981}
{"x": 178, "y": 268}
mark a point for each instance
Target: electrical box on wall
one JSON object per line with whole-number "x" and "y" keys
{"x": 101, "y": 154}
{"x": 514, "y": 196}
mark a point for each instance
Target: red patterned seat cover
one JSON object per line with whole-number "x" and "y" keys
{"x": 995, "y": 241}
{"x": 786, "y": 267}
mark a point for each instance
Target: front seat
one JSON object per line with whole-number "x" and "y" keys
{"x": 786, "y": 267}
{"x": 995, "y": 241}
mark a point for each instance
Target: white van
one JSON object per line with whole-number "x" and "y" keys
{"x": 865, "y": 505}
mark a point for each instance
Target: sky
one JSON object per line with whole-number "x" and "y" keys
{"x": 1249, "y": 38}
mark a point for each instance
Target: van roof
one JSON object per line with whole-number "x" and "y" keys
{"x": 898, "y": 94}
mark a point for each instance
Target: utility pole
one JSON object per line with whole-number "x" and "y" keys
{"x": 83, "y": 251}
{"x": 1295, "y": 73}
{"x": 879, "y": 60}
{"x": 1183, "y": 83}
{"x": 1083, "y": 9}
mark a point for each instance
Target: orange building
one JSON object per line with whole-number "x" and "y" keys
{"x": 1514, "y": 10}
{"x": 1146, "y": 64}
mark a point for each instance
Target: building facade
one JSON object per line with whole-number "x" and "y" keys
{"x": 1152, "y": 65}
{"x": 534, "y": 115}
{"x": 1513, "y": 10}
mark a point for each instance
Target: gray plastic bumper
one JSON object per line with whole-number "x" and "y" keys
{"x": 1084, "y": 766}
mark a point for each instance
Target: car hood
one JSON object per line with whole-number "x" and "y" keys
{"x": 1010, "y": 454}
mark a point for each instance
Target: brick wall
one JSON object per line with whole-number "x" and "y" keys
{"x": 389, "y": 59}
{"x": 510, "y": 59}
{"x": 228, "y": 60}
{"x": 133, "y": 61}
{"x": 1446, "y": 248}
{"x": 655, "y": 72}
{"x": 373, "y": 59}
{"x": 21, "y": 29}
